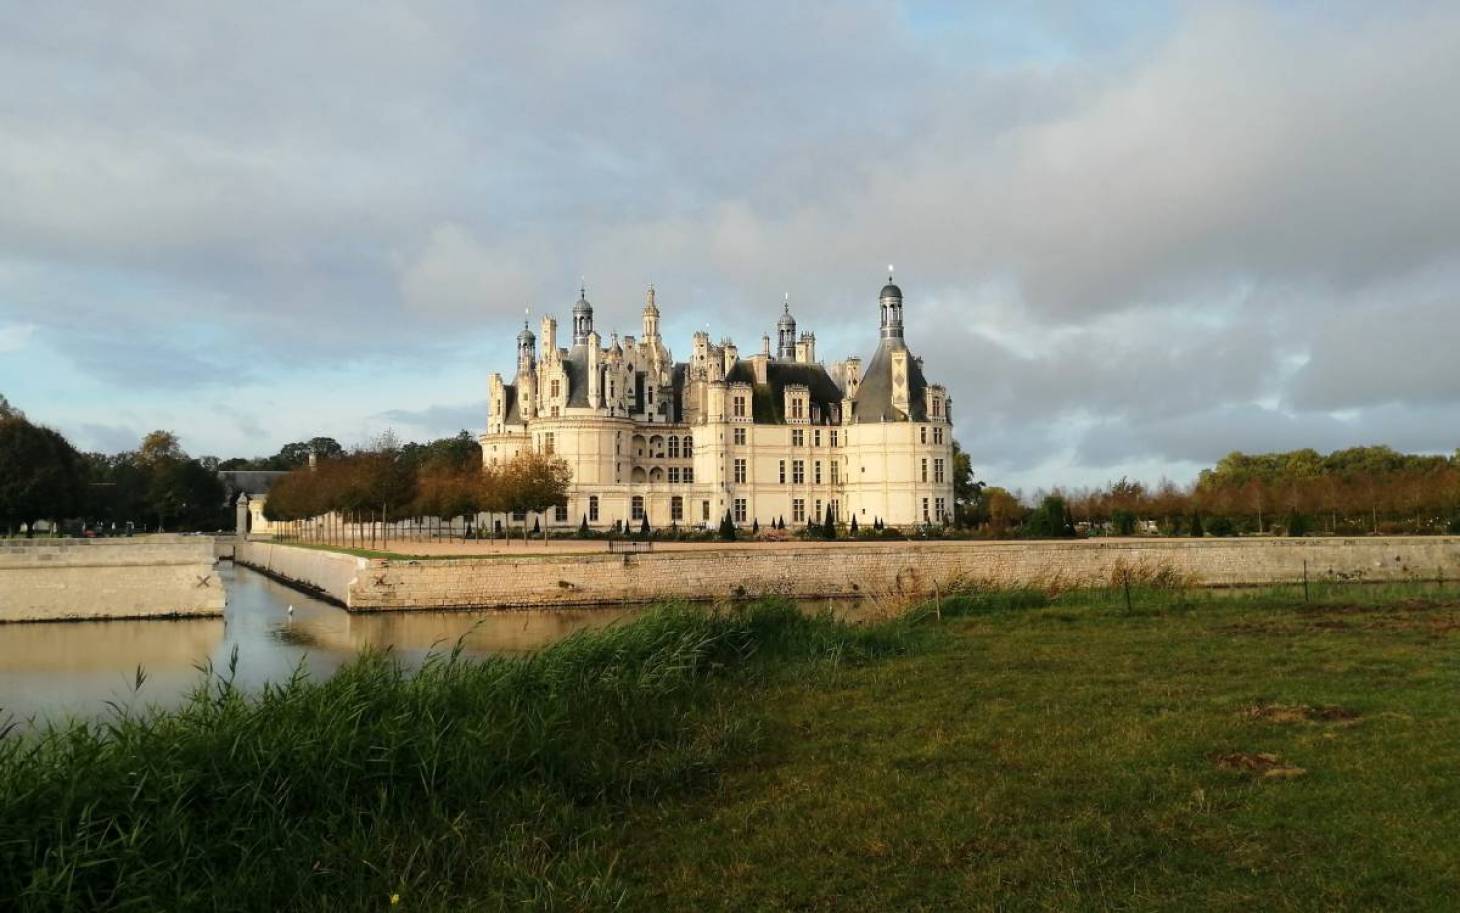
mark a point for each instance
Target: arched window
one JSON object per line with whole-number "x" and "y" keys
{"x": 689, "y": 447}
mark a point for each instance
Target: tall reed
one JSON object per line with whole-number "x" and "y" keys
{"x": 479, "y": 779}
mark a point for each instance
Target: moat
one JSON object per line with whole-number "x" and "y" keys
{"x": 50, "y": 671}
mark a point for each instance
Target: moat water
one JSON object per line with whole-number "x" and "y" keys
{"x": 84, "y": 669}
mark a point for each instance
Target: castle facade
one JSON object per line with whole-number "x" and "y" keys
{"x": 775, "y": 435}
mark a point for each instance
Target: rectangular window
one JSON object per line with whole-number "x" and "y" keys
{"x": 925, "y": 510}
{"x": 798, "y": 438}
{"x": 938, "y": 435}
{"x": 740, "y": 437}
{"x": 834, "y": 436}
{"x": 554, "y": 388}
{"x": 638, "y": 507}
{"x": 938, "y": 470}
{"x": 816, "y": 471}
{"x": 689, "y": 474}
{"x": 676, "y": 508}
{"x": 547, "y": 442}
{"x": 739, "y": 472}
{"x": 593, "y": 508}
{"x": 937, "y": 407}
{"x": 739, "y": 510}
{"x": 689, "y": 447}
{"x": 783, "y": 472}
{"x": 925, "y": 469}
{"x": 818, "y": 510}
{"x": 673, "y": 474}
{"x": 705, "y": 511}
{"x": 560, "y": 513}
{"x": 835, "y": 472}
{"x": 816, "y": 438}
{"x": 673, "y": 447}
{"x": 938, "y": 507}
{"x": 740, "y": 407}
{"x": 798, "y": 472}
{"x": 923, "y": 436}
{"x": 798, "y": 510}
{"x": 519, "y": 516}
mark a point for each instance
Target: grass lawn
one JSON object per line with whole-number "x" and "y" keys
{"x": 1240, "y": 752}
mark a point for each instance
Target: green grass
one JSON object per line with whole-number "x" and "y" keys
{"x": 1068, "y": 754}
{"x": 1025, "y": 752}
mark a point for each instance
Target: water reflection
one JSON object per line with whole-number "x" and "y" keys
{"x": 49, "y": 671}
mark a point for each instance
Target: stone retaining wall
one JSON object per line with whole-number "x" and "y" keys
{"x": 840, "y": 570}
{"x": 141, "y": 577}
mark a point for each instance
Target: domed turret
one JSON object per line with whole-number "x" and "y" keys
{"x": 891, "y": 302}
{"x": 786, "y": 333}
{"x": 526, "y": 349}
{"x": 582, "y": 318}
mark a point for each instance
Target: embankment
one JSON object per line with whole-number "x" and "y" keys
{"x": 835, "y": 571}
{"x": 74, "y": 579}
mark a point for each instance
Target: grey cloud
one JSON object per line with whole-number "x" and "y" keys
{"x": 438, "y": 419}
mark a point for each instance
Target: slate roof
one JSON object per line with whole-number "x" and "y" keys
{"x": 514, "y": 414}
{"x": 248, "y": 481}
{"x": 873, "y": 402}
{"x": 768, "y": 402}
{"x": 575, "y": 365}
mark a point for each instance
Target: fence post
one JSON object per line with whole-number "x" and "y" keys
{"x": 1305, "y": 581}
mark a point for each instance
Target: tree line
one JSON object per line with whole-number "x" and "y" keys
{"x": 350, "y": 496}
{"x": 156, "y": 486}
{"x": 1354, "y": 491}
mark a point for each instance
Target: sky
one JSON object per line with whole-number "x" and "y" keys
{"x": 1131, "y": 237}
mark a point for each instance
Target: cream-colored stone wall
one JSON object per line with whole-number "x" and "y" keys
{"x": 331, "y": 574}
{"x": 143, "y": 577}
{"x": 843, "y": 570}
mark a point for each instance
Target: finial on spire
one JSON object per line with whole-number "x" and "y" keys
{"x": 788, "y": 303}
{"x": 889, "y": 272}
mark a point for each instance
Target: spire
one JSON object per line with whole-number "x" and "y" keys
{"x": 651, "y": 316}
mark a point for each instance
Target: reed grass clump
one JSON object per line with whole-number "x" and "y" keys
{"x": 467, "y": 783}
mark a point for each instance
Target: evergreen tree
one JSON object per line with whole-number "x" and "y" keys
{"x": 1196, "y": 528}
{"x": 727, "y": 528}
{"x": 755, "y": 526}
{"x": 853, "y": 527}
{"x": 644, "y": 528}
{"x": 583, "y": 528}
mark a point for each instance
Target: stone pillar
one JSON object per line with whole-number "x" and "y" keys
{"x": 240, "y": 516}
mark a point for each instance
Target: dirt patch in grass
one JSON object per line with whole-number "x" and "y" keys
{"x": 1299, "y": 713}
{"x": 1310, "y": 621}
{"x": 1265, "y": 765}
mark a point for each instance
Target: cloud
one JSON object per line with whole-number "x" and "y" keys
{"x": 15, "y": 336}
